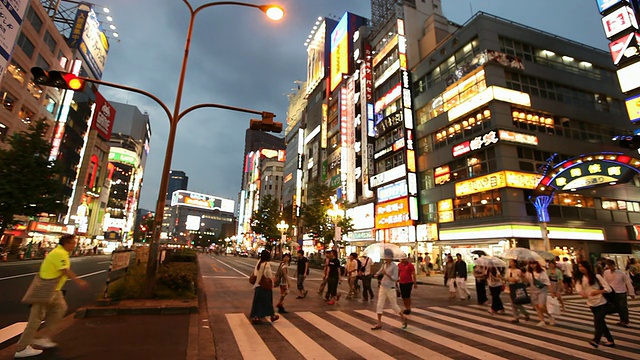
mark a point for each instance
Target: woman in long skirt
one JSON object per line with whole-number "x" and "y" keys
{"x": 263, "y": 296}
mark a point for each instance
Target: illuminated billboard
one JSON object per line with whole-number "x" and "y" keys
{"x": 339, "y": 51}
{"x": 89, "y": 38}
{"x": 362, "y": 217}
{"x": 201, "y": 201}
{"x": 317, "y": 55}
{"x": 497, "y": 180}
{"x": 123, "y": 156}
{"x": 604, "y": 5}
{"x": 393, "y": 214}
{"x": 633, "y": 108}
{"x": 629, "y": 77}
{"x": 193, "y": 222}
{"x": 618, "y": 21}
{"x": 487, "y": 95}
{"x": 103, "y": 117}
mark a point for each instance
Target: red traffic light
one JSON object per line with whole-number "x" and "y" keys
{"x": 73, "y": 82}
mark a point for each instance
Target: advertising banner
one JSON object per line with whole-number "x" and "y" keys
{"x": 202, "y": 201}
{"x": 12, "y": 13}
{"x": 339, "y": 52}
{"x": 633, "y": 108}
{"x": 393, "y": 213}
{"x": 316, "y": 58}
{"x": 103, "y": 116}
{"x": 89, "y": 38}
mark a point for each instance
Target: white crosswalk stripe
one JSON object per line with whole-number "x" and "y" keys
{"x": 440, "y": 333}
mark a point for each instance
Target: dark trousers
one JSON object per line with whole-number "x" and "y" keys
{"x": 481, "y": 291}
{"x": 332, "y": 287}
{"x": 496, "y": 303}
{"x": 366, "y": 287}
{"x": 599, "y": 323}
{"x": 620, "y": 301}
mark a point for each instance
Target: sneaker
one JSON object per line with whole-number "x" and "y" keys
{"x": 27, "y": 352}
{"x": 331, "y": 302}
{"x": 541, "y": 323}
{"x": 609, "y": 344}
{"x": 44, "y": 343}
{"x": 593, "y": 343}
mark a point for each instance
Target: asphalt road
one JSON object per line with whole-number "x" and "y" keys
{"x": 439, "y": 328}
{"x": 16, "y": 276}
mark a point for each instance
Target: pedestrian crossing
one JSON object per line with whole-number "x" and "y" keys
{"x": 437, "y": 332}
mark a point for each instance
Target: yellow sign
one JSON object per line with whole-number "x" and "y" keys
{"x": 497, "y": 180}
{"x": 633, "y": 108}
{"x": 445, "y": 210}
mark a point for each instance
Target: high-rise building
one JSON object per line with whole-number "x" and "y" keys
{"x": 178, "y": 180}
{"x": 505, "y": 113}
{"x": 130, "y": 144}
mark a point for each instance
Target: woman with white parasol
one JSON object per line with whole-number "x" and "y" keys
{"x": 389, "y": 274}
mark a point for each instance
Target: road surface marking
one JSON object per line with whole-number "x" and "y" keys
{"x": 217, "y": 269}
{"x": 585, "y": 333}
{"x": 17, "y": 276}
{"x": 533, "y": 340}
{"x": 223, "y": 277}
{"x": 234, "y": 269}
{"x": 12, "y": 330}
{"x": 300, "y": 341}
{"x": 91, "y": 274}
{"x": 468, "y": 350}
{"x": 104, "y": 262}
{"x": 404, "y": 344}
{"x": 356, "y": 345}
{"x": 249, "y": 342}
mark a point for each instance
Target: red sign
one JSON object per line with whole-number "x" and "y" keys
{"x": 625, "y": 47}
{"x": 618, "y": 21}
{"x": 47, "y": 227}
{"x": 103, "y": 117}
{"x": 461, "y": 149}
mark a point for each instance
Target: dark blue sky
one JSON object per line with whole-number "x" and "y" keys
{"x": 238, "y": 57}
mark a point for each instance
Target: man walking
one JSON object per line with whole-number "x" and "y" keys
{"x": 622, "y": 287}
{"x": 461, "y": 278}
{"x": 55, "y": 265}
{"x": 352, "y": 273}
{"x": 301, "y": 274}
{"x": 333, "y": 277}
{"x": 325, "y": 267}
{"x": 365, "y": 272}
{"x": 387, "y": 290}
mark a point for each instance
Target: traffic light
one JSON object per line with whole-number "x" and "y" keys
{"x": 628, "y": 142}
{"x": 266, "y": 124}
{"x": 58, "y": 79}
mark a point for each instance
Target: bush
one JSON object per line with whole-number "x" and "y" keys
{"x": 185, "y": 255}
{"x": 174, "y": 281}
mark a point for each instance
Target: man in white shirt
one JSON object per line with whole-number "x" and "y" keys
{"x": 352, "y": 273}
{"x": 621, "y": 285}
{"x": 567, "y": 276}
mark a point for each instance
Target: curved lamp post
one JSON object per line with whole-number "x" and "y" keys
{"x": 273, "y": 12}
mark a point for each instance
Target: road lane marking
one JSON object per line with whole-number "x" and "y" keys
{"x": 12, "y": 330}
{"x": 404, "y": 344}
{"x": 223, "y": 277}
{"x": 247, "y": 338}
{"x": 17, "y": 276}
{"x": 438, "y": 339}
{"x": 543, "y": 338}
{"x": 300, "y": 341}
{"x": 91, "y": 274}
{"x": 234, "y": 269}
{"x": 356, "y": 345}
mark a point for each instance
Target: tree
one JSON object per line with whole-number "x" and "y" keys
{"x": 266, "y": 218}
{"x": 29, "y": 182}
{"x": 316, "y": 219}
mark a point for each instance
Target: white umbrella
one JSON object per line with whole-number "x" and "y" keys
{"x": 523, "y": 254}
{"x": 380, "y": 251}
{"x": 490, "y": 261}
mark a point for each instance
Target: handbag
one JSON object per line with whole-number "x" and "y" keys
{"x": 265, "y": 282}
{"x": 553, "y": 306}
{"x": 40, "y": 290}
{"x": 519, "y": 295}
{"x": 611, "y": 299}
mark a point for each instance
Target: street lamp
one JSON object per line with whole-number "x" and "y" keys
{"x": 283, "y": 227}
{"x": 336, "y": 214}
{"x": 272, "y": 11}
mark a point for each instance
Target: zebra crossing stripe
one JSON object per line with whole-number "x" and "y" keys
{"x": 404, "y": 344}
{"x": 361, "y": 347}
{"x": 483, "y": 339}
{"x": 537, "y": 334}
{"x": 586, "y": 332}
{"x": 304, "y": 344}
{"x": 247, "y": 338}
{"x": 577, "y": 308}
{"x": 468, "y": 350}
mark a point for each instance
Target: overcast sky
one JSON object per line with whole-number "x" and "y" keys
{"x": 240, "y": 58}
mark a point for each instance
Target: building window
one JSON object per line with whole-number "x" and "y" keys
{"x": 34, "y": 19}
{"x": 50, "y": 105}
{"x": 3, "y": 132}
{"x": 477, "y": 205}
{"x": 533, "y": 159}
{"x": 42, "y": 63}
{"x": 26, "y": 115}
{"x": 26, "y": 45}
{"x": 17, "y": 71}
{"x": 456, "y": 131}
{"x": 50, "y": 41}
{"x": 478, "y": 163}
{"x": 34, "y": 89}
{"x": 8, "y": 100}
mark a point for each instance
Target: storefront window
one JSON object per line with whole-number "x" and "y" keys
{"x": 575, "y": 200}
{"x": 478, "y": 205}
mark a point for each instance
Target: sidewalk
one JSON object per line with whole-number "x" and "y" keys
{"x": 133, "y": 329}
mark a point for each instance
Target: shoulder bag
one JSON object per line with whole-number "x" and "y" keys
{"x": 265, "y": 282}
{"x": 40, "y": 291}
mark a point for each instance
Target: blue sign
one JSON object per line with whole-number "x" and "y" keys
{"x": 604, "y": 5}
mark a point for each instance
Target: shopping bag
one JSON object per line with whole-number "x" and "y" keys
{"x": 519, "y": 295}
{"x": 40, "y": 291}
{"x": 553, "y": 306}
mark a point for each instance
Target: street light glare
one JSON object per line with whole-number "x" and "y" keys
{"x": 274, "y": 12}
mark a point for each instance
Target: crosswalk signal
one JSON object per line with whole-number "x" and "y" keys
{"x": 266, "y": 124}
{"x": 58, "y": 79}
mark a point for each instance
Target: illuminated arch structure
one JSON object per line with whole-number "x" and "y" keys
{"x": 583, "y": 172}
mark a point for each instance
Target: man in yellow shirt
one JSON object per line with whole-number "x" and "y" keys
{"x": 56, "y": 264}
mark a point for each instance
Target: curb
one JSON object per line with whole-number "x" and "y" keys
{"x": 200, "y": 343}
{"x": 159, "y": 310}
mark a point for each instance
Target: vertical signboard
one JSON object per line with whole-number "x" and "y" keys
{"x": 104, "y": 116}
{"x": 90, "y": 39}
{"x": 316, "y": 58}
{"x": 12, "y": 13}
{"x": 366, "y": 97}
{"x": 339, "y": 52}
{"x": 348, "y": 154}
